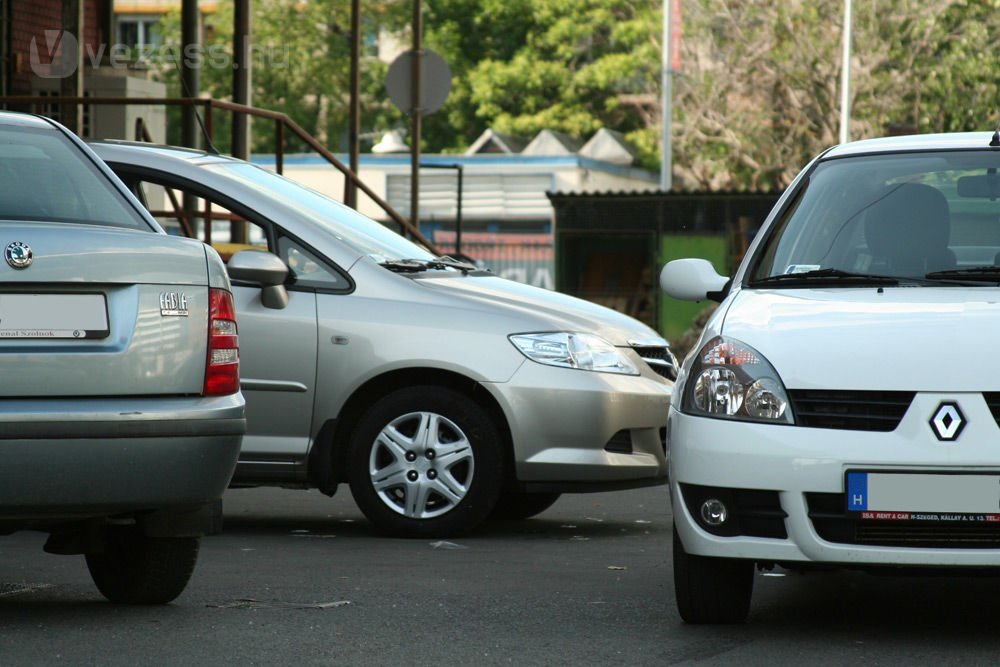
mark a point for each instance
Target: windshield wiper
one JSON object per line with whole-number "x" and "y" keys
{"x": 419, "y": 265}
{"x": 829, "y": 276}
{"x": 987, "y": 274}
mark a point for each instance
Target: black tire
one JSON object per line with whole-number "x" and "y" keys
{"x": 711, "y": 590}
{"x": 137, "y": 569}
{"x": 515, "y": 506}
{"x": 454, "y": 473}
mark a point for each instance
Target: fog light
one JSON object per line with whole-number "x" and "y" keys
{"x": 714, "y": 512}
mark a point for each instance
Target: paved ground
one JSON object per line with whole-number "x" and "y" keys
{"x": 301, "y": 579}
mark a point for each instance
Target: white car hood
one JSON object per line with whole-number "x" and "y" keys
{"x": 546, "y": 310}
{"x": 902, "y": 338}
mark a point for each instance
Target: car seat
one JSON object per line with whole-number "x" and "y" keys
{"x": 907, "y": 229}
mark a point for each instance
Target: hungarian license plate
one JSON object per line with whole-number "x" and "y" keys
{"x": 908, "y": 496}
{"x": 53, "y": 316}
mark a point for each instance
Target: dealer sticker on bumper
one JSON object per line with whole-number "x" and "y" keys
{"x": 902, "y": 496}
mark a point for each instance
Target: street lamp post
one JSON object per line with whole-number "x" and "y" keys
{"x": 845, "y": 77}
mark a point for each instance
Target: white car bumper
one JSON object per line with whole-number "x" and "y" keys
{"x": 804, "y": 518}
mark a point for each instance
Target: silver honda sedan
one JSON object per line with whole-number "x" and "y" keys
{"x": 441, "y": 393}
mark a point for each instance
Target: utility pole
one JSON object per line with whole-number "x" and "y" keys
{"x": 845, "y": 78}
{"x": 666, "y": 80}
{"x": 354, "y": 131}
{"x": 190, "y": 63}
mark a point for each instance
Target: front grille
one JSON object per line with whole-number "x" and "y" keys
{"x": 993, "y": 402}
{"x": 833, "y": 524}
{"x": 850, "y": 410}
{"x": 659, "y": 358}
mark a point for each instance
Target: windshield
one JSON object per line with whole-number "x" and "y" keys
{"x": 360, "y": 232}
{"x": 914, "y": 216}
{"x": 45, "y": 177}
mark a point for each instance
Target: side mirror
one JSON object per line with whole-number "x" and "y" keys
{"x": 264, "y": 269}
{"x": 693, "y": 280}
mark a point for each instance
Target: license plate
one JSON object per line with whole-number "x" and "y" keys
{"x": 53, "y": 316}
{"x": 905, "y": 496}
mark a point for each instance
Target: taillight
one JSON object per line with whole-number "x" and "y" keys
{"x": 222, "y": 372}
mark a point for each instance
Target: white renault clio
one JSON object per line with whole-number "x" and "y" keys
{"x": 843, "y": 404}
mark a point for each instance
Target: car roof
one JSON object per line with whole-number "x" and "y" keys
{"x": 25, "y": 120}
{"x": 913, "y": 142}
{"x": 158, "y": 155}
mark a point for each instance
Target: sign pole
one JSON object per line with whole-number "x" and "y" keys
{"x": 416, "y": 114}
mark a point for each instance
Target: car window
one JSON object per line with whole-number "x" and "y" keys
{"x": 894, "y": 215}
{"x": 45, "y": 177}
{"x": 183, "y": 213}
{"x": 306, "y": 267}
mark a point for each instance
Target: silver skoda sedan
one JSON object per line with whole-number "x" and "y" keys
{"x": 440, "y": 393}
{"x": 120, "y": 411}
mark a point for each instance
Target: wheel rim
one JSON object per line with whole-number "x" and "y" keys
{"x": 421, "y": 465}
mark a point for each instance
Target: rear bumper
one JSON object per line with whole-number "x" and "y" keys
{"x": 72, "y": 458}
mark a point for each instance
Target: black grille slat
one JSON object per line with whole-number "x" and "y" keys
{"x": 850, "y": 410}
{"x": 833, "y": 524}
{"x": 993, "y": 403}
{"x": 660, "y": 359}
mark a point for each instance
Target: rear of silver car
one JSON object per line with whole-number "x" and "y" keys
{"x": 102, "y": 408}
{"x": 120, "y": 413}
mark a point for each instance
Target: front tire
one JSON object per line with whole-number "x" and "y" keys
{"x": 138, "y": 569}
{"x": 426, "y": 461}
{"x": 711, "y": 590}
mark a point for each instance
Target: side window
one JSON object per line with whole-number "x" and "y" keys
{"x": 307, "y": 269}
{"x": 185, "y": 214}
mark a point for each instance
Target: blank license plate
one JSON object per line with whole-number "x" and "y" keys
{"x": 53, "y": 316}
{"x": 923, "y": 497}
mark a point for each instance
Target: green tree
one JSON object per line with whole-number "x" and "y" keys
{"x": 523, "y": 66}
{"x": 301, "y": 66}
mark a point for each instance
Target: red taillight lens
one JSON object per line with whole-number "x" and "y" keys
{"x": 222, "y": 371}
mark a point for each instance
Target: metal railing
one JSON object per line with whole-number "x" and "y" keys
{"x": 282, "y": 124}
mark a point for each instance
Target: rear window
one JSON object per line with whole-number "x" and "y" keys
{"x": 45, "y": 177}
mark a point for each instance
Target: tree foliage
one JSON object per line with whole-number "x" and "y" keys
{"x": 758, "y": 93}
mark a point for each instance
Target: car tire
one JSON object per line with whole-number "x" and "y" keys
{"x": 426, "y": 461}
{"x": 711, "y": 590}
{"x": 515, "y": 506}
{"x": 137, "y": 569}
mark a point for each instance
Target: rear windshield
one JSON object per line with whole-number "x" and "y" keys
{"x": 45, "y": 177}
{"x": 897, "y": 215}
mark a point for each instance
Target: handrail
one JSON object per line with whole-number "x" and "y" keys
{"x": 282, "y": 122}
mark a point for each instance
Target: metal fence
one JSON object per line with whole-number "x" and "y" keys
{"x": 526, "y": 258}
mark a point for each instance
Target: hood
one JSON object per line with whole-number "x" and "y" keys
{"x": 899, "y": 338}
{"x": 551, "y": 311}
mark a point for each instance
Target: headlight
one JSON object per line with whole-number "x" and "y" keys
{"x": 731, "y": 380}
{"x": 574, "y": 350}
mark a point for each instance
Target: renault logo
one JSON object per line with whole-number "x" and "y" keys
{"x": 947, "y": 422}
{"x": 18, "y": 255}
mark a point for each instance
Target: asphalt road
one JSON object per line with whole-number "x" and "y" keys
{"x": 301, "y": 579}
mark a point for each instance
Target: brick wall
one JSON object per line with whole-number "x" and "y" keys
{"x": 30, "y": 19}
